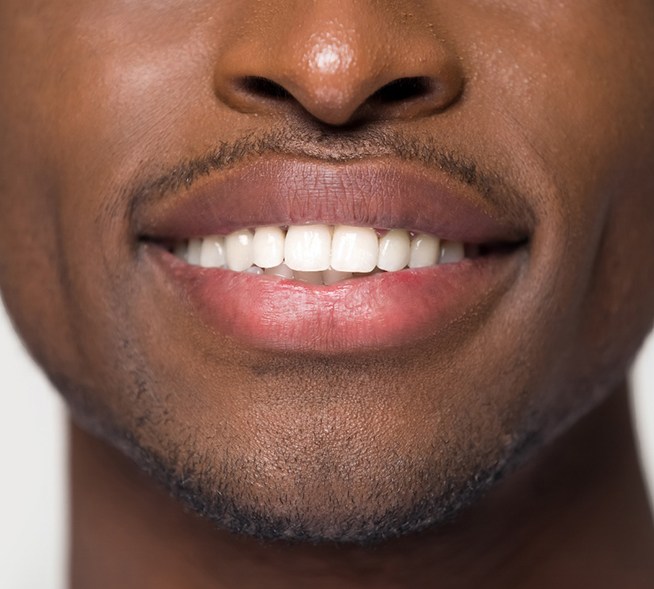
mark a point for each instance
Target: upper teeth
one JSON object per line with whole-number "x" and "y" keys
{"x": 321, "y": 254}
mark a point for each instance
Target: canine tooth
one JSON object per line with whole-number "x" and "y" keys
{"x": 238, "y": 250}
{"x": 307, "y": 247}
{"x": 212, "y": 253}
{"x": 394, "y": 250}
{"x": 308, "y": 277}
{"x": 181, "y": 251}
{"x": 283, "y": 271}
{"x": 194, "y": 254}
{"x": 424, "y": 251}
{"x": 354, "y": 249}
{"x": 452, "y": 252}
{"x": 331, "y": 276}
{"x": 268, "y": 244}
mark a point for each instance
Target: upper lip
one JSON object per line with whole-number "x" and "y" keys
{"x": 380, "y": 193}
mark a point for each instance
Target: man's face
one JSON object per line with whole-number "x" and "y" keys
{"x": 373, "y": 406}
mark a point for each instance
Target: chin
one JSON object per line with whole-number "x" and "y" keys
{"x": 331, "y": 499}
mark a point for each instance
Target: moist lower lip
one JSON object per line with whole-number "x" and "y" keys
{"x": 378, "y": 312}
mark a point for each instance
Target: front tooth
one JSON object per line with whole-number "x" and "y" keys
{"x": 282, "y": 271}
{"x": 394, "y": 250}
{"x": 268, "y": 247}
{"x": 239, "y": 251}
{"x": 212, "y": 253}
{"x": 307, "y": 247}
{"x": 331, "y": 276}
{"x": 424, "y": 251}
{"x": 194, "y": 253}
{"x": 452, "y": 252}
{"x": 354, "y": 249}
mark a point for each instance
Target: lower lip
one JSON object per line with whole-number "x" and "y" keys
{"x": 382, "y": 311}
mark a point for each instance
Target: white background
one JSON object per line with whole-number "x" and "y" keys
{"x": 32, "y": 462}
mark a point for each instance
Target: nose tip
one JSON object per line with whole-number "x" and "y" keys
{"x": 338, "y": 72}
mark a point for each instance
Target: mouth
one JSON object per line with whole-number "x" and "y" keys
{"x": 321, "y": 254}
{"x": 301, "y": 256}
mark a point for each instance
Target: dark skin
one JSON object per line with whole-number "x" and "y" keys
{"x": 378, "y": 464}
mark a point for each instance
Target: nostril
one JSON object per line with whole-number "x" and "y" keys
{"x": 403, "y": 89}
{"x": 264, "y": 88}
{"x": 400, "y": 90}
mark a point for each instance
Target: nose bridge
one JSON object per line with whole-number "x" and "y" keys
{"x": 332, "y": 56}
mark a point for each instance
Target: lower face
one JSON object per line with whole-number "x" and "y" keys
{"x": 364, "y": 408}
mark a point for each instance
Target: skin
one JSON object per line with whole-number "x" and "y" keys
{"x": 555, "y": 99}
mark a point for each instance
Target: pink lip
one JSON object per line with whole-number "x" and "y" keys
{"x": 378, "y": 312}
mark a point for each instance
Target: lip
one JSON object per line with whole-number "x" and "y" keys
{"x": 381, "y": 311}
{"x": 376, "y": 193}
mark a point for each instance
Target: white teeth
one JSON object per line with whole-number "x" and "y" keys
{"x": 452, "y": 252}
{"x": 319, "y": 254}
{"x": 424, "y": 251}
{"x": 354, "y": 249}
{"x": 331, "y": 276}
{"x": 394, "y": 250}
{"x": 212, "y": 253}
{"x": 194, "y": 252}
{"x": 307, "y": 247}
{"x": 239, "y": 251}
{"x": 268, "y": 244}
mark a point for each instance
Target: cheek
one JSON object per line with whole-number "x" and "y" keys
{"x": 620, "y": 307}
{"x": 579, "y": 102}
{"x": 32, "y": 275}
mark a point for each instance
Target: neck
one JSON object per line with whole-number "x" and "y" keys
{"x": 577, "y": 512}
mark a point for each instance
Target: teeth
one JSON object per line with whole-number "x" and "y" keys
{"x": 254, "y": 270}
{"x": 239, "y": 251}
{"x": 212, "y": 252}
{"x": 354, "y": 249}
{"x": 308, "y": 247}
{"x": 331, "y": 276}
{"x": 309, "y": 277}
{"x": 394, "y": 250}
{"x": 424, "y": 251}
{"x": 181, "y": 251}
{"x": 319, "y": 254}
{"x": 452, "y": 252}
{"x": 268, "y": 247}
{"x": 283, "y": 271}
{"x": 194, "y": 252}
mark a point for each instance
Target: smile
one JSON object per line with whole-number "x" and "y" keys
{"x": 320, "y": 254}
{"x": 313, "y": 258}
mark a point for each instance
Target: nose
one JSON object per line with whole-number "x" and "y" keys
{"x": 339, "y": 61}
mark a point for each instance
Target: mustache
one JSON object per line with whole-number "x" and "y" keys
{"x": 328, "y": 147}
